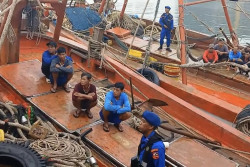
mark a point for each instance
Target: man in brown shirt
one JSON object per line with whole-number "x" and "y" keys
{"x": 84, "y": 95}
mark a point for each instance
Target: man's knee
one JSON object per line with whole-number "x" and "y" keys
{"x": 125, "y": 116}
{"x": 77, "y": 103}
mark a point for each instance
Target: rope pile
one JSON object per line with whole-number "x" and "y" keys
{"x": 126, "y": 22}
{"x": 101, "y": 92}
{"x": 62, "y": 149}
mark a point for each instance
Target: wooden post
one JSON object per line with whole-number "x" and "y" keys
{"x": 102, "y": 6}
{"x": 182, "y": 38}
{"x": 232, "y": 33}
{"x": 123, "y": 8}
{"x": 198, "y": 2}
{"x": 60, "y": 11}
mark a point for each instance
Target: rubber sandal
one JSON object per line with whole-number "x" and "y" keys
{"x": 53, "y": 90}
{"x": 67, "y": 89}
{"x": 105, "y": 128}
{"x": 89, "y": 114}
{"x": 119, "y": 127}
{"x": 76, "y": 114}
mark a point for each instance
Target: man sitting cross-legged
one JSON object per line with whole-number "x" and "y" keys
{"x": 61, "y": 70}
{"x": 84, "y": 96}
{"x": 116, "y": 108}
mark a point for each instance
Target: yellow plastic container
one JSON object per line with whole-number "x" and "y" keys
{"x": 135, "y": 53}
{"x": 1, "y": 135}
{"x": 139, "y": 54}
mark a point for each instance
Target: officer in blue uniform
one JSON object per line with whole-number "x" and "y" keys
{"x": 151, "y": 151}
{"x": 167, "y": 25}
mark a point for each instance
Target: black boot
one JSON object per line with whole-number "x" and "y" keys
{"x": 168, "y": 49}
{"x": 160, "y": 48}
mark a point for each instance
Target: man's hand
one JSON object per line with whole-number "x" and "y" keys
{"x": 58, "y": 66}
{"x": 91, "y": 94}
{"x": 76, "y": 94}
{"x": 239, "y": 60}
{"x": 69, "y": 66}
{"x": 165, "y": 26}
{"x": 213, "y": 62}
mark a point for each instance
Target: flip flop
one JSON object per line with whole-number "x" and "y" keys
{"x": 89, "y": 114}
{"x": 76, "y": 114}
{"x": 105, "y": 128}
{"x": 119, "y": 127}
{"x": 53, "y": 90}
{"x": 67, "y": 89}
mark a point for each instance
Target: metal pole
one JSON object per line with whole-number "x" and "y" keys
{"x": 182, "y": 38}
{"x": 123, "y": 8}
{"x": 232, "y": 33}
{"x": 197, "y": 2}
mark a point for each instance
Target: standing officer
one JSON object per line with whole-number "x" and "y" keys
{"x": 151, "y": 151}
{"x": 167, "y": 25}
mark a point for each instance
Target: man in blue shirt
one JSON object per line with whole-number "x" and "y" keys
{"x": 47, "y": 58}
{"x": 235, "y": 56}
{"x": 61, "y": 70}
{"x": 116, "y": 108}
{"x": 151, "y": 151}
{"x": 167, "y": 25}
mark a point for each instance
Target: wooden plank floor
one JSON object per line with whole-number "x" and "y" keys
{"x": 26, "y": 77}
{"x": 121, "y": 145}
{"x": 193, "y": 154}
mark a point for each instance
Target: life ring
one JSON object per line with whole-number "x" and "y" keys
{"x": 14, "y": 154}
{"x": 150, "y": 75}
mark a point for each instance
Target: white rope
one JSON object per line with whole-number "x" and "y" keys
{"x": 7, "y": 24}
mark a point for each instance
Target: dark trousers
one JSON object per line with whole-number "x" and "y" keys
{"x": 46, "y": 71}
{"x": 223, "y": 57}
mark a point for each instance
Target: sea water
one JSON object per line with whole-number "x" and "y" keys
{"x": 211, "y": 14}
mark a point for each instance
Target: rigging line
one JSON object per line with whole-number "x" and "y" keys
{"x": 151, "y": 34}
{"x": 242, "y": 10}
{"x": 237, "y": 9}
{"x": 203, "y": 23}
{"x": 137, "y": 28}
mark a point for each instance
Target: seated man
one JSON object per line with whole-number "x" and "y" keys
{"x": 235, "y": 56}
{"x": 47, "y": 57}
{"x": 61, "y": 70}
{"x": 210, "y": 55}
{"x": 84, "y": 96}
{"x": 116, "y": 108}
{"x": 222, "y": 50}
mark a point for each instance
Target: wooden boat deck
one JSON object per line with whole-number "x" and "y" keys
{"x": 189, "y": 153}
{"x": 58, "y": 107}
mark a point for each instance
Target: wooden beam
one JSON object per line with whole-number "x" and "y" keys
{"x": 60, "y": 11}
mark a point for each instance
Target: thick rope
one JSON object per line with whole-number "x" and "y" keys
{"x": 7, "y": 24}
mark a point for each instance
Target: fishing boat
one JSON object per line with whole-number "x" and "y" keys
{"x": 188, "y": 108}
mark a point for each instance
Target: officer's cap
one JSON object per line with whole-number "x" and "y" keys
{"x": 52, "y": 43}
{"x": 151, "y": 118}
{"x": 168, "y": 7}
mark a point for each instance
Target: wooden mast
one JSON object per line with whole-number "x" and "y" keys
{"x": 183, "y": 42}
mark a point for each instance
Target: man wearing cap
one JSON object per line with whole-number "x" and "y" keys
{"x": 47, "y": 58}
{"x": 210, "y": 55}
{"x": 222, "y": 50}
{"x": 167, "y": 25}
{"x": 151, "y": 151}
